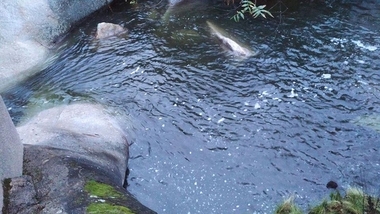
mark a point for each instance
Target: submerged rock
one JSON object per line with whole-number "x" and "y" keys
{"x": 370, "y": 121}
{"x": 105, "y": 30}
{"x": 183, "y": 8}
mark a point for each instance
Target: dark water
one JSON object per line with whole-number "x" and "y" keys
{"x": 212, "y": 134}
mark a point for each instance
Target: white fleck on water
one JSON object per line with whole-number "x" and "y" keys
{"x": 326, "y": 76}
{"x": 221, "y": 120}
{"x": 292, "y": 93}
{"x": 360, "y": 61}
{"x": 137, "y": 69}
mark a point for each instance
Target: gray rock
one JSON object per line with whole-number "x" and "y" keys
{"x": 61, "y": 181}
{"x": 67, "y": 148}
{"x": 85, "y": 129}
{"x": 21, "y": 195}
{"x": 11, "y": 149}
{"x": 30, "y": 27}
{"x": 105, "y": 30}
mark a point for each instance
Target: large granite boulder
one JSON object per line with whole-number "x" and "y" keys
{"x": 85, "y": 130}
{"x": 75, "y": 161}
{"x": 29, "y": 28}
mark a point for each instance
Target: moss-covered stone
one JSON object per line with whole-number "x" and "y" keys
{"x": 105, "y": 208}
{"x": 102, "y": 190}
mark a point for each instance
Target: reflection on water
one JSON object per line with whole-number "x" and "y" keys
{"x": 211, "y": 134}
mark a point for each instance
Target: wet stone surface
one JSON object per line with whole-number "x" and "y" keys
{"x": 54, "y": 182}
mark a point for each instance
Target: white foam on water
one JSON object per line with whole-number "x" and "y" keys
{"x": 326, "y": 76}
{"x": 361, "y": 45}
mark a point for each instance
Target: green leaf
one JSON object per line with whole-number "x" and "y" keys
{"x": 267, "y": 12}
{"x": 255, "y": 15}
{"x": 241, "y": 15}
{"x": 261, "y": 7}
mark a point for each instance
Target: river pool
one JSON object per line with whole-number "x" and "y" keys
{"x": 210, "y": 133}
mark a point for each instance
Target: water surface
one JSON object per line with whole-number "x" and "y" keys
{"x": 213, "y": 134}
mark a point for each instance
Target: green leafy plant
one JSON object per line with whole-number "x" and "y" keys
{"x": 354, "y": 202}
{"x": 250, "y": 8}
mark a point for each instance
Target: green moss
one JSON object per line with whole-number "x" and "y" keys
{"x": 102, "y": 190}
{"x": 105, "y": 208}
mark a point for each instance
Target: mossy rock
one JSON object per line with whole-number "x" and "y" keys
{"x": 102, "y": 190}
{"x": 106, "y": 208}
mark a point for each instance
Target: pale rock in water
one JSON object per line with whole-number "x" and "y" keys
{"x": 228, "y": 43}
{"x": 105, "y": 30}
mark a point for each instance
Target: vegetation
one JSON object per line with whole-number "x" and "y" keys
{"x": 288, "y": 207}
{"x": 105, "y": 200}
{"x": 249, "y": 7}
{"x": 354, "y": 202}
